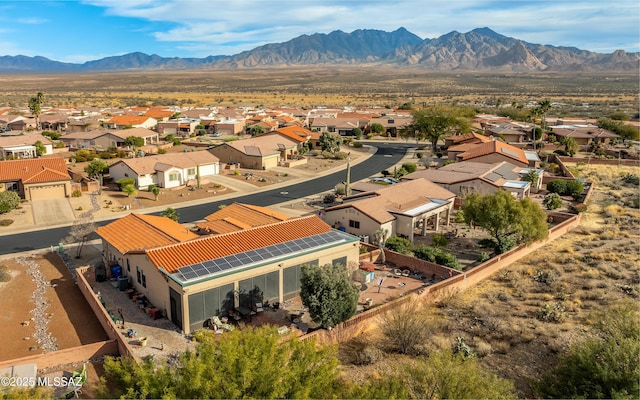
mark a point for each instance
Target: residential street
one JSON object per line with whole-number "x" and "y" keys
{"x": 388, "y": 155}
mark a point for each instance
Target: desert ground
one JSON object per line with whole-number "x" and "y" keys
{"x": 576, "y": 94}
{"x": 589, "y": 268}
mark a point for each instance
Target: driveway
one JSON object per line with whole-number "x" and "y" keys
{"x": 52, "y": 212}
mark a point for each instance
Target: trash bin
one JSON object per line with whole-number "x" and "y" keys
{"x": 116, "y": 271}
{"x": 123, "y": 283}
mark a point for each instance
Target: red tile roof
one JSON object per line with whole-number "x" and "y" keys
{"x": 239, "y": 216}
{"x": 35, "y": 170}
{"x": 140, "y": 231}
{"x": 494, "y": 147}
{"x": 174, "y": 256}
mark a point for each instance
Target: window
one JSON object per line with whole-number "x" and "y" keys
{"x": 138, "y": 275}
{"x": 354, "y": 224}
{"x": 173, "y": 177}
{"x": 128, "y": 267}
{"x": 144, "y": 279}
{"x": 191, "y": 171}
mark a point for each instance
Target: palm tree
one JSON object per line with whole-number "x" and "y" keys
{"x": 35, "y": 106}
{"x": 544, "y": 105}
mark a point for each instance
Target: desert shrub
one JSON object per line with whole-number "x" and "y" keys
{"x": 419, "y": 154}
{"x": 447, "y": 162}
{"x": 357, "y": 145}
{"x": 436, "y": 255}
{"x": 578, "y": 208}
{"x": 552, "y": 201}
{"x": 5, "y": 276}
{"x": 439, "y": 154}
{"x": 574, "y": 188}
{"x": 327, "y": 155}
{"x": 462, "y": 348}
{"x": 8, "y": 201}
{"x": 551, "y": 312}
{"x": 484, "y": 256}
{"x": 558, "y": 186}
{"x": 546, "y": 277}
{"x": 410, "y": 167}
{"x": 341, "y": 155}
{"x": 398, "y": 244}
{"x": 439, "y": 240}
{"x": 561, "y": 152}
{"x": 368, "y": 355}
{"x": 76, "y": 193}
{"x": 631, "y": 179}
{"x": 487, "y": 243}
{"x": 329, "y": 198}
{"x": 459, "y": 217}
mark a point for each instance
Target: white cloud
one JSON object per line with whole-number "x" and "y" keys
{"x": 245, "y": 24}
{"x": 32, "y": 21}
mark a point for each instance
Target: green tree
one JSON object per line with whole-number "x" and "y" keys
{"x": 531, "y": 176}
{"x": 35, "y": 106}
{"x": 40, "y": 148}
{"x": 134, "y": 141}
{"x": 330, "y": 142}
{"x": 96, "y": 168}
{"x": 328, "y": 293}
{"x": 604, "y": 366}
{"x": 434, "y": 123}
{"x": 8, "y": 201}
{"x": 256, "y": 130}
{"x": 357, "y": 132}
{"x": 247, "y": 363}
{"x": 377, "y": 128}
{"x": 507, "y": 220}
{"x": 125, "y": 181}
{"x": 129, "y": 190}
{"x": 171, "y": 213}
{"x": 570, "y": 145}
{"x": 155, "y": 191}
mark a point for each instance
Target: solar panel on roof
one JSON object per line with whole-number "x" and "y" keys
{"x": 510, "y": 152}
{"x": 210, "y": 267}
{"x": 492, "y": 177}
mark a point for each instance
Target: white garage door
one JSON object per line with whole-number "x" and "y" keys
{"x": 46, "y": 192}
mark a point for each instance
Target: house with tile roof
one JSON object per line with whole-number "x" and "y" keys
{"x": 238, "y": 216}
{"x": 23, "y": 145}
{"x": 166, "y": 170}
{"x": 341, "y": 126}
{"x": 584, "y": 135}
{"x": 495, "y": 151}
{"x": 36, "y": 178}
{"x": 467, "y": 177}
{"x": 403, "y": 209}
{"x": 193, "y": 279}
{"x": 469, "y": 138}
{"x": 258, "y": 152}
{"x": 102, "y": 139}
{"x": 127, "y": 121}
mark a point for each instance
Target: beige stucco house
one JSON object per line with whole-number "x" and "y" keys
{"x": 36, "y": 178}
{"x": 193, "y": 278}
{"x": 402, "y": 208}
{"x": 166, "y": 170}
{"x": 260, "y": 152}
{"x": 23, "y": 145}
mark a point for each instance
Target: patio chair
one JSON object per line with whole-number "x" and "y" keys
{"x": 397, "y": 272}
{"x": 406, "y": 272}
{"x": 259, "y": 307}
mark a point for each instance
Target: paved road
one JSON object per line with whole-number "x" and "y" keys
{"x": 388, "y": 154}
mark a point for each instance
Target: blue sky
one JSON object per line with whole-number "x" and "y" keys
{"x": 82, "y": 30}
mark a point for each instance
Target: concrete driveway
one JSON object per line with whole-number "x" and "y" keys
{"x": 52, "y": 212}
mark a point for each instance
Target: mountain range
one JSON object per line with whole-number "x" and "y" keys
{"x": 481, "y": 49}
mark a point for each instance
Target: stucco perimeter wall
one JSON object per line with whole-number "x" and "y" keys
{"x": 84, "y": 275}
{"x": 66, "y": 356}
{"x": 457, "y": 281}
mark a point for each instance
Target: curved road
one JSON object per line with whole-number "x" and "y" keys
{"x": 388, "y": 154}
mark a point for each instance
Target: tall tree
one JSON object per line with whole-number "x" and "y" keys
{"x": 433, "y": 123}
{"x": 96, "y": 167}
{"x": 507, "y": 220}
{"x": 330, "y": 142}
{"x": 328, "y": 293}
{"x": 35, "y": 106}
{"x": 130, "y": 190}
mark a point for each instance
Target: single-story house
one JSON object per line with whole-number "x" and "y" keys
{"x": 469, "y": 138}
{"x": 238, "y": 216}
{"x": 36, "y": 178}
{"x": 102, "y": 139}
{"x": 182, "y": 127}
{"x": 494, "y": 151}
{"x": 467, "y": 177}
{"x": 392, "y": 124}
{"x": 510, "y": 132}
{"x": 584, "y": 135}
{"x": 166, "y": 170}
{"x": 259, "y": 152}
{"x": 400, "y": 208}
{"x": 23, "y": 145}
{"x": 128, "y": 121}
{"x": 229, "y": 126}
{"x": 193, "y": 279}
{"x": 341, "y": 126}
